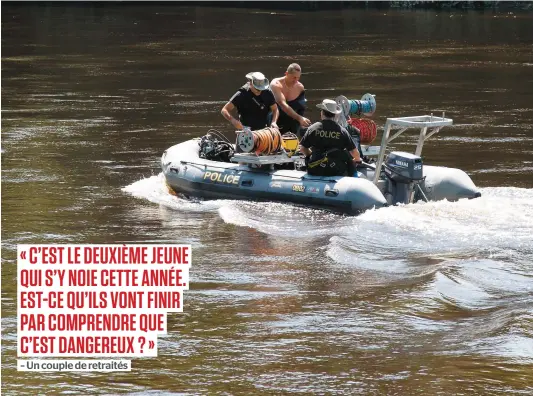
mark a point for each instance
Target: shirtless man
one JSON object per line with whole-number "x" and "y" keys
{"x": 290, "y": 97}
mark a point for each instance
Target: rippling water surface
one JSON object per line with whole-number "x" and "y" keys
{"x": 429, "y": 298}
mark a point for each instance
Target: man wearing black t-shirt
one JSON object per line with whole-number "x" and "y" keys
{"x": 253, "y": 101}
{"x": 328, "y": 147}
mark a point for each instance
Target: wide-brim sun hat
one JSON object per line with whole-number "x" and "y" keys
{"x": 330, "y": 106}
{"x": 258, "y": 80}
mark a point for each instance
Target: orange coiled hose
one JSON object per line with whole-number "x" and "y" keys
{"x": 368, "y": 129}
{"x": 267, "y": 141}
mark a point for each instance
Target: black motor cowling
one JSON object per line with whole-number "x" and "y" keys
{"x": 404, "y": 171}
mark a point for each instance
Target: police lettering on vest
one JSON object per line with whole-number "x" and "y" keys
{"x": 330, "y": 145}
{"x": 328, "y": 134}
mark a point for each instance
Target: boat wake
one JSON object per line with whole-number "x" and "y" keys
{"x": 155, "y": 190}
{"x": 469, "y": 260}
{"x": 498, "y": 223}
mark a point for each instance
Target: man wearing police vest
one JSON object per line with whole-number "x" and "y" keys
{"x": 328, "y": 147}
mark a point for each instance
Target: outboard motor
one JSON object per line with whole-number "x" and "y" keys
{"x": 404, "y": 171}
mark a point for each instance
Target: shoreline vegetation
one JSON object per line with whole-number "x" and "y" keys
{"x": 339, "y": 5}
{"x": 304, "y": 5}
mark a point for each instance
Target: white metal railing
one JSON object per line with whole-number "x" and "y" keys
{"x": 422, "y": 122}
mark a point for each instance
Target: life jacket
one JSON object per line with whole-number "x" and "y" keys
{"x": 334, "y": 162}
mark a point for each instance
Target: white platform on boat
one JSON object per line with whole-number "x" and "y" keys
{"x": 265, "y": 159}
{"x": 424, "y": 123}
{"x": 370, "y": 151}
{"x": 427, "y": 121}
{"x": 250, "y": 158}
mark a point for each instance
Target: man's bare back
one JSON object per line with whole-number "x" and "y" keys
{"x": 290, "y": 92}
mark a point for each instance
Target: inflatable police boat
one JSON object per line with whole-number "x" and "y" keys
{"x": 396, "y": 177}
{"x": 187, "y": 173}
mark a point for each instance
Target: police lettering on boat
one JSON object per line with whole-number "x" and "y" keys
{"x": 221, "y": 178}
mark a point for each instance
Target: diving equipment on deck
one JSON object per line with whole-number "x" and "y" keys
{"x": 267, "y": 147}
{"x": 367, "y": 128}
{"x": 289, "y": 142}
{"x": 215, "y": 146}
{"x": 263, "y": 141}
{"x": 366, "y": 106}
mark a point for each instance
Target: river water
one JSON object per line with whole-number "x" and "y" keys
{"x": 430, "y": 298}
